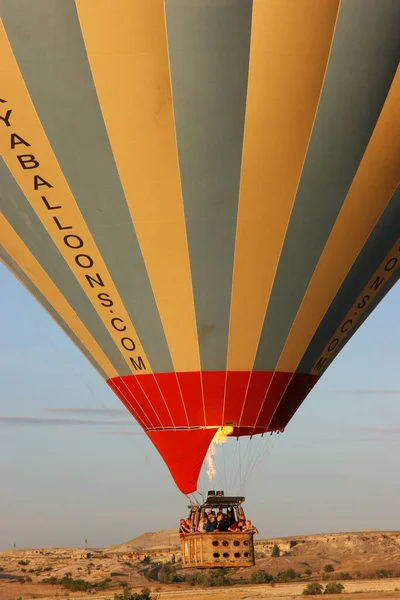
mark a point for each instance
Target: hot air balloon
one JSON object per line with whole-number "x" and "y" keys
{"x": 203, "y": 194}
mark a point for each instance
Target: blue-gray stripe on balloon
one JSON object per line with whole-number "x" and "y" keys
{"x": 31, "y": 287}
{"x": 361, "y": 68}
{"x": 23, "y": 219}
{"x": 209, "y": 44}
{"x": 47, "y": 41}
{"x": 380, "y": 242}
{"x": 367, "y": 312}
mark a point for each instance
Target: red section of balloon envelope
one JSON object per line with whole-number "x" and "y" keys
{"x": 299, "y": 387}
{"x": 236, "y": 387}
{"x": 129, "y": 399}
{"x": 162, "y": 406}
{"x": 192, "y": 394}
{"x": 276, "y": 389}
{"x": 183, "y": 452}
{"x": 214, "y": 391}
{"x": 166, "y": 404}
{"x": 258, "y": 387}
{"x": 170, "y": 390}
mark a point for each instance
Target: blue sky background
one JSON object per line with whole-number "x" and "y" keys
{"x": 75, "y": 465}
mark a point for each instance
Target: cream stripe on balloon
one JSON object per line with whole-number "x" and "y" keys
{"x": 289, "y": 53}
{"x": 371, "y": 190}
{"x": 23, "y": 257}
{"x": 30, "y": 158}
{"x": 132, "y": 79}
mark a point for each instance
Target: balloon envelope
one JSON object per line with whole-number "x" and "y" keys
{"x": 203, "y": 195}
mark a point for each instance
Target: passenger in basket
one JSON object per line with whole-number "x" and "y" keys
{"x": 231, "y": 517}
{"x": 250, "y": 528}
{"x": 211, "y": 525}
{"x": 203, "y": 524}
{"x": 183, "y": 529}
{"x": 222, "y": 522}
{"x": 189, "y": 525}
{"x": 239, "y": 526}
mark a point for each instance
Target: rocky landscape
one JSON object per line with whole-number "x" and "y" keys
{"x": 365, "y": 562}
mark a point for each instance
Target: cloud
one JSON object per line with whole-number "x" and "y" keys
{"x": 365, "y": 392}
{"x": 380, "y": 430}
{"x": 63, "y": 421}
{"x": 377, "y": 434}
{"x": 86, "y": 410}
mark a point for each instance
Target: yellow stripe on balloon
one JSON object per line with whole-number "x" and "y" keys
{"x": 15, "y": 247}
{"x": 290, "y": 46}
{"x": 128, "y": 56}
{"x": 30, "y": 158}
{"x": 373, "y": 185}
{"x": 387, "y": 269}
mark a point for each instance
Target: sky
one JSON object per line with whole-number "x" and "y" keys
{"x": 74, "y": 464}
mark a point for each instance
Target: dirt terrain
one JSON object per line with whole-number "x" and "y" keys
{"x": 363, "y": 552}
{"x": 367, "y": 590}
{"x": 357, "y": 555}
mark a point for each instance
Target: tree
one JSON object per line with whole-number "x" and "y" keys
{"x": 261, "y": 576}
{"x": 143, "y": 595}
{"x": 382, "y": 573}
{"x": 334, "y": 588}
{"x": 168, "y": 574}
{"x": 146, "y": 559}
{"x": 275, "y": 551}
{"x": 52, "y": 580}
{"x": 313, "y": 589}
{"x": 287, "y": 575}
{"x": 308, "y": 572}
{"x": 212, "y": 578}
{"x": 329, "y": 568}
{"x": 173, "y": 559}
